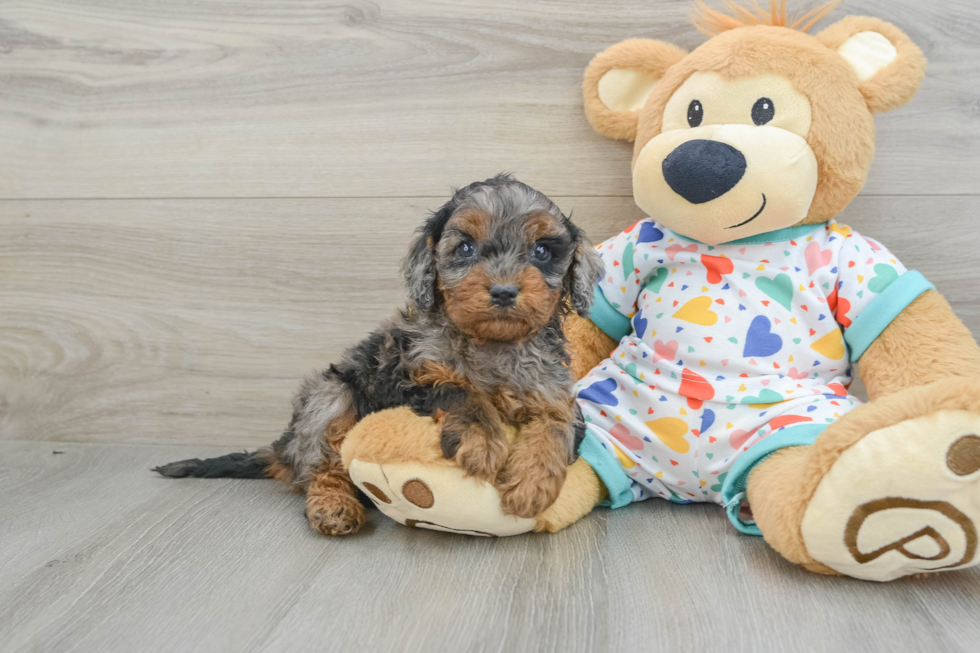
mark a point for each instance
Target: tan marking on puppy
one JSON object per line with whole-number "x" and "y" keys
{"x": 511, "y": 406}
{"x": 331, "y": 503}
{"x": 468, "y": 306}
{"x": 536, "y": 302}
{"x": 282, "y": 473}
{"x": 334, "y": 512}
{"x": 338, "y": 429}
{"x": 535, "y": 470}
{"x": 436, "y": 374}
{"x": 473, "y": 435}
{"x": 518, "y": 409}
{"x": 481, "y": 454}
{"x": 475, "y": 224}
{"x": 483, "y": 448}
{"x": 439, "y": 417}
{"x": 581, "y": 492}
{"x": 541, "y": 224}
{"x": 468, "y": 303}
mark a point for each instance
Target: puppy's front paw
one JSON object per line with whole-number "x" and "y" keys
{"x": 479, "y": 452}
{"x": 480, "y": 455}
{"x": 527, "y": 490}
{"x": 335, "y": 514}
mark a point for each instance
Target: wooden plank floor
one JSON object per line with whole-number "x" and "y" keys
{"x": 101, "y": 555}
{"x": 201, "y": 201}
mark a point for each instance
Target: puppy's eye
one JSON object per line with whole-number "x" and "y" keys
{"x": 541, "y": 253}
{"x": 763, "y": 111}
{"x": 695, "y": 113}
{"x": 466, "y": 249}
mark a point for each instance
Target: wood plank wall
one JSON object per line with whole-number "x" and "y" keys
{"x": 203, "y": 200}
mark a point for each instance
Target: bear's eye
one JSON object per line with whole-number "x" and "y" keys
{"x": 763, "y": 111}
{"x": 695, "y": 113}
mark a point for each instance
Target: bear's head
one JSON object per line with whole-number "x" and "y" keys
{"x": 762, "y": 127}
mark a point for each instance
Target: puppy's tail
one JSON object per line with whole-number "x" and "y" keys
{"x": 267, "y": 462}
{"x": 303, "y": 448}
{"x": 233, "y": 465}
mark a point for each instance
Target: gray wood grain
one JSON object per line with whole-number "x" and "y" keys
{"x": 320, "y": 98}
{"x": 99, "y": 554}
{"x": 194, "y": 320}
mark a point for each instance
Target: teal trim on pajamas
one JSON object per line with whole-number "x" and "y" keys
{"x": 778, "y": 236}
{"x": 606, "y": 466}
{"x": 613, "y": 323}
{"x": 883, "y": 310}
{"x": 737, "y": 481}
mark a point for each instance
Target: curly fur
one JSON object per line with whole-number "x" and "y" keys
{"x": 452, "y": 353}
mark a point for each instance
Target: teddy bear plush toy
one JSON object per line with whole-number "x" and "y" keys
{"x": 735, "y": 312}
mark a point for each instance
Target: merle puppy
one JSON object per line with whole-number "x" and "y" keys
{"x": 479, "y": 346}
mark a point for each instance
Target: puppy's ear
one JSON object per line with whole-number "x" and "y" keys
{"x": 583, "y": 274}
{"x": 419, "y": 267}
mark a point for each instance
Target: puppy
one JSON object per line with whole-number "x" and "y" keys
{"x": 490, "y": 276}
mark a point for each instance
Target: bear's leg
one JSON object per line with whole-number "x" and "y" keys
{"x": 588, "y": 344}
{"x": 775, "y": 494}
{"x": 890, "y": 489}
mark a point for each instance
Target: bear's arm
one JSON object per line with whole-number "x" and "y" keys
{"x": 925, "y": 343}
{"x": 588, "y": 343}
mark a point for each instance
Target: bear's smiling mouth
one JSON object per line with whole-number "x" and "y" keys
{"x": 761, "y": 209}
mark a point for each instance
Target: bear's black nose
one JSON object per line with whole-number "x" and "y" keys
{"x": 700, "y": 170}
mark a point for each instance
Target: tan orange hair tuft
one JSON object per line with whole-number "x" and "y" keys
{"x": 713, "y": 22}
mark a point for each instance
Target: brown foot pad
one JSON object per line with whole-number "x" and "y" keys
{"x": 903, "y": 500}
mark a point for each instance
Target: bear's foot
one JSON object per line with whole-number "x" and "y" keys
{"x": 436, "y": 496}
{"x": 902, "y": 500}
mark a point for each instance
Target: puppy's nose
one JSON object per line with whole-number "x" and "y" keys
{"x": 503, "y": 295}
{"x": 700, "y": 170}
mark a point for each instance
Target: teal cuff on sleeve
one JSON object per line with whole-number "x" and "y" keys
{"x": 737, "y": 482}
{"x": 612, "y": 322}
{"x": 882, "y": 310}
{"x": 604, "y": 463}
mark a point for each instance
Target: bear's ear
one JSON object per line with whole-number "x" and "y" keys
{"x": 889, "y": 66}
{"x": 619, "y": 80}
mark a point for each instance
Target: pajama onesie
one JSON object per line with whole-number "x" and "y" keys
{"x": 727, "y": 353}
